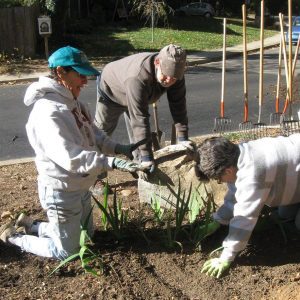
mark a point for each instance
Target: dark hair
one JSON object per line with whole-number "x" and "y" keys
{"x": 53, "y": 72}
{"x": 214, "y": 156}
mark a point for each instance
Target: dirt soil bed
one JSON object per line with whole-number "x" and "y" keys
{"x": 136, "y": 269}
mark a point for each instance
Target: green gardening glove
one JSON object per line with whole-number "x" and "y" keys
{"x": 215, "y": 267}
{"x": 211, "y": 228}
{"x": 125, "y": 165}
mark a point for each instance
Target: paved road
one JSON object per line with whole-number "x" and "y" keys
{"x": 203, "y": 95}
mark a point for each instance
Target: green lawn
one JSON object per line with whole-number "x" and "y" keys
{"x": 192, "y": 33}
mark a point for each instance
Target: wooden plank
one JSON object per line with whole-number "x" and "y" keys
{"x": 18, "y": 30}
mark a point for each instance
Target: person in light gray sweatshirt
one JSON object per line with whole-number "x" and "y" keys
{"x": 131, "y": 84}
{"x": 70, "y": 153}
{"x": 261, "y": 172}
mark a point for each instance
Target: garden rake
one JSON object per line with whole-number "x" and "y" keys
{"x": 222, "y": 123}
{"x": 293, "y": 73}
{"x": 275, "y": 118}
{"x": 246, "y": 125}
{"x": 260, "y": 129}
{"x": 290, "y": 125}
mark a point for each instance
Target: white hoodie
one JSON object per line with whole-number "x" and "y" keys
{"x": 67, "y": 145}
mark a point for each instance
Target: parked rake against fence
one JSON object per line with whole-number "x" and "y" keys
{"x": 285, "y": 62}
{"x": 222, "y": 123}
{"x": 289, "y": 76}
{"x": 275, "y": 118}
{"x": 289, "y": 126}
{"x": 246, "y": 126}
{"x": 293, "y": 71}
{"x": 260, "y": 129}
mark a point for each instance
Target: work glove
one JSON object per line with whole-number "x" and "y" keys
{"x": 212, "y": 227}
{"x": 215, "y": 267}
{"x": 128, "y": 149}
{"x": 125, "y": 165}
{"x": 189, "y": 145}
{"x": 147, "y": 165}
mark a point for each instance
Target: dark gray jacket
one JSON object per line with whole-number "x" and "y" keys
{"x": 131, "y": 82}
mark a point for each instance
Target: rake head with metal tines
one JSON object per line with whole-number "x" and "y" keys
{"x": 259, "y": 130}
{"x": 289, "y": 127}
{"x": 275, "y": 118}
{"x": 246, "y": 130}
{"x": 222, "y": 124}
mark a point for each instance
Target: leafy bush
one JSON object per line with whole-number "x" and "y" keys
{"x": 45, "y": 4}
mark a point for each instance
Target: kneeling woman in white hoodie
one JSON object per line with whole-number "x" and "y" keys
{"x": 70, "y": 153}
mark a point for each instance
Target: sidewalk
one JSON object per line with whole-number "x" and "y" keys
{"x": 216, "y": 55}
{"x": 197, "y": 58}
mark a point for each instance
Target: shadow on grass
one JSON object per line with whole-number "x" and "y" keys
{"x": 103, "y": 42}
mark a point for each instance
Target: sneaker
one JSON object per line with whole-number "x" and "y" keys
{"x": 6, "y": 231}
{"x": 24, "y": 221}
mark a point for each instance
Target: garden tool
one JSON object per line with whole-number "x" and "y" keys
{"x": 260, "y": 128}
{"x": 246, "y": 125}
{"x": 285, "y": 61}
{"x": 158, "y": 137}
{"x": 293, "y": 72}
{"x": 173, "y": 135}
{"x": 222, "y": 123}
{"x": 289, "y": 125}
{"x": 276, "y": 117}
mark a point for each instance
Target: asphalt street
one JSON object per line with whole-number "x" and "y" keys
{"x": 203, "y": 98}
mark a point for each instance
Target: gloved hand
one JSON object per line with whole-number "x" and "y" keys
{"x": 215, "y": 267}
{"x": 212, "y": 227}
{"x": 125, "y": 165}
{"x": 187, "y": 144}
{"x": 147, "y": 165}
{"x": 128, "y": 149}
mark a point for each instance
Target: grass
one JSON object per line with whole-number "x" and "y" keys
{"x": 111, "y": 42}
{"x": 192, "y": 33}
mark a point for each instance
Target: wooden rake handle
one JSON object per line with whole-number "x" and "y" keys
{"x": 222, "y": 108}
{"x": 245, "y": 64}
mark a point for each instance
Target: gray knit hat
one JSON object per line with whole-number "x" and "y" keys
{"x": 172, "y": 61}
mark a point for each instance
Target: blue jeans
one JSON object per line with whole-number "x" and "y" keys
{"x": 59, "y": 237}
{"x": 290, "y": 212}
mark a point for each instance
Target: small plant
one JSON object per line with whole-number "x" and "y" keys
{"x": 115, "y": 216}
{"x": 181, "y": 209}
{"x": 105, "y": 205}
{"x": 195, "y": 205}
{"x": 156, "y": 208}
{"x": 85, "y": 254}
{"x": 199, "y": 230}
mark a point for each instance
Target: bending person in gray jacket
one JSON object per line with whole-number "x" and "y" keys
{"x": 130, "y": 84}
{"x": 261, "y": 172}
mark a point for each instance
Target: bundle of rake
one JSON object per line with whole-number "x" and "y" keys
{"x": 246, "y": 126}
{"x": 223, "y": 124}
{"x": 288, "y": 123}
{"x": 260, "y": 129}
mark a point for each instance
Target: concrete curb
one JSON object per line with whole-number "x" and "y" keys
{"x": 16, "y": 161}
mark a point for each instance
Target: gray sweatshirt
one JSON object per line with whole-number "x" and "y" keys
{"x": 69, "y": 148}
{"x": 131, "y": 82}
